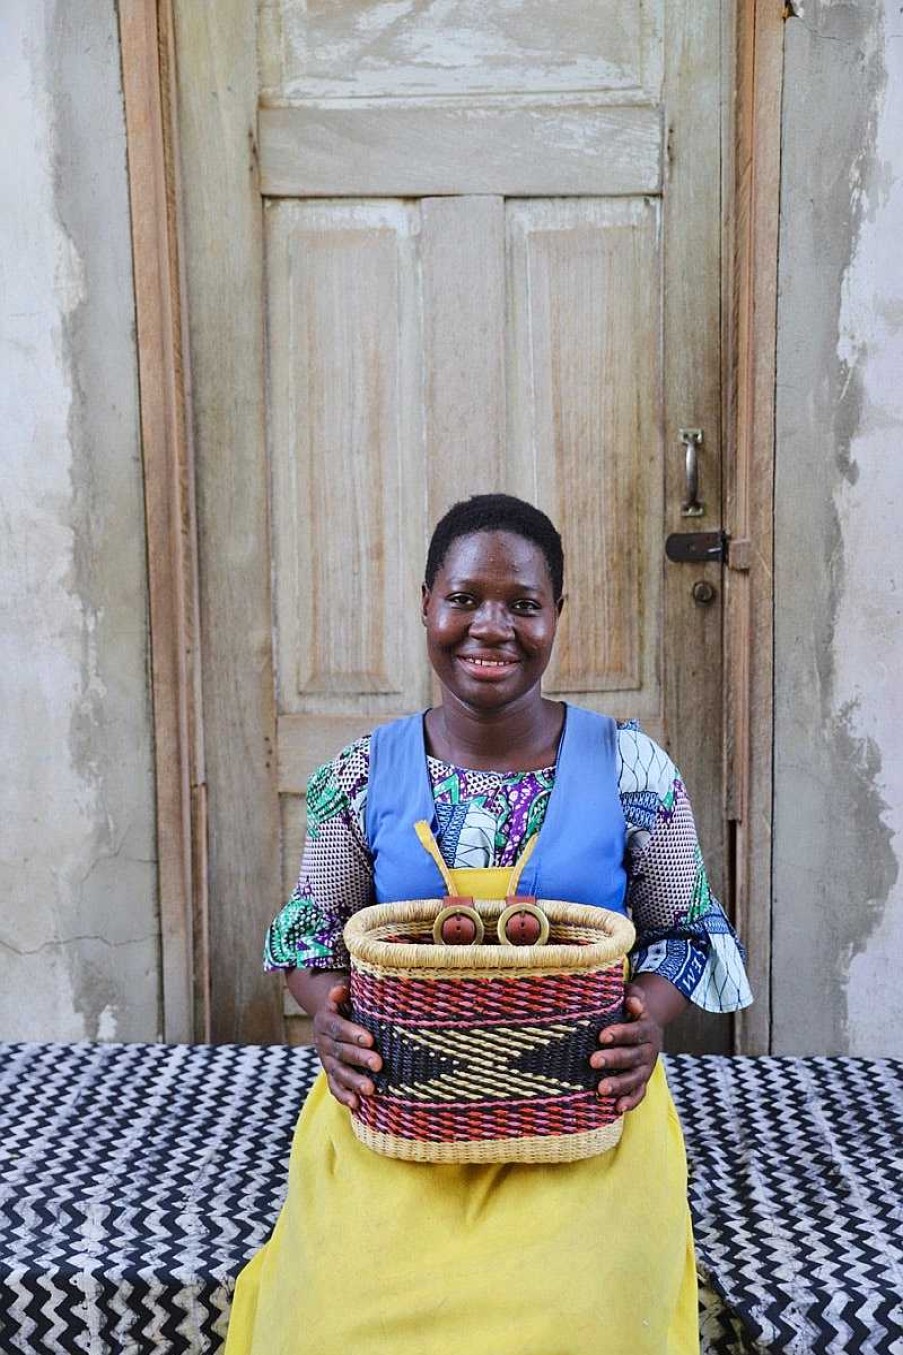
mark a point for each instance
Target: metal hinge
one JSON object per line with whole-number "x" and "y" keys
{"x": 700, "y": 548}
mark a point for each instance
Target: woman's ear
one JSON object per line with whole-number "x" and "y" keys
{"x": 424, "y": 601}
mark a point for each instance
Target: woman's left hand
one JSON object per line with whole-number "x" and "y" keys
{"x": 629, "y": 1051}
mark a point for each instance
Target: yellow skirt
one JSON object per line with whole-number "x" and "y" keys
{"x": 398, "y": 1258}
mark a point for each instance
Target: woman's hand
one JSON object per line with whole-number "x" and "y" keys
{"x": 346, "y": 1050}
{"x": 630, "y": 1049}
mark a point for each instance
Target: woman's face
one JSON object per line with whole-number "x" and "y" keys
{"x": 490, "y": 619}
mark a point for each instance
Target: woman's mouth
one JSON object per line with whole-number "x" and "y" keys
{"x": 486, "y": 667}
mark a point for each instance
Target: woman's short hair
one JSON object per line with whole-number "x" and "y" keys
{"x": 496, "y": 513}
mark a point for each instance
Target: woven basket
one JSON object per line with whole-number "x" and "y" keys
{"x": 486, "y": 1048}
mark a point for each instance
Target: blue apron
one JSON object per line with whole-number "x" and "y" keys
{"x": 579, "y": 856}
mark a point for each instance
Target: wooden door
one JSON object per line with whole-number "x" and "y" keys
{"x": 483, "y": 245}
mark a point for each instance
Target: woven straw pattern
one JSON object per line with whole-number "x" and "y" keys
{"x": 486, "y": 1048}
{"x": 563, "y": 1148}
{"x": 525, "y": 996}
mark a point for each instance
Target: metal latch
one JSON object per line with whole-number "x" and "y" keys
{"x": 698, "y": 548}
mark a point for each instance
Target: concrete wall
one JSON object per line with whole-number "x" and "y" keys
{"x": 78, "y": 925}
{"x": 838, "y": 920}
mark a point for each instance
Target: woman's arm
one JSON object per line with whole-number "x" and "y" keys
{"x": 685, "y": 948}
{"x": 342, "y": 1046}
{"x": 305, "y": 939}
{"x": 683, "y": 934}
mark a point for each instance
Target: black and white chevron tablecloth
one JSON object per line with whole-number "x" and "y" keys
{"x": 135, "y": 1180}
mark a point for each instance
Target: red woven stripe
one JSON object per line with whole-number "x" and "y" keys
{"x": 444, "y": 1123}
{"x": 437, "y": 1001}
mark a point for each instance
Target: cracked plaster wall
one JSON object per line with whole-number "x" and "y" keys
{"x": 838, "y": 892}
{"x": 78, "y": 923}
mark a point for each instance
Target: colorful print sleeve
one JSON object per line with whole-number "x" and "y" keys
{"x": 336, "y": 876}
{"x": 682, "y": 931}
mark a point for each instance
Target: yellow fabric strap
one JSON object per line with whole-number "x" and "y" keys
{"x": 457, "y": 881}
{"x": 429, "y": 844}
{"x": 485, "y": 882}
{"x": 518, "y": 870}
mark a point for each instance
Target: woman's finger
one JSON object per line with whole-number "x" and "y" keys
{"x": 638, "y": 1032}
{"x": 344, "y": 1059}
{"x": 625, "y": 1103}
{"x": 343, "y": 1095}
{"x": 625, "y": 1086}
{"x": 340, "y": 1031}
{"x": 620, "y": 1057}
{"x": 353, "y": 1054}
{"x": 620, "y": 1084}
{"x": 357, "y": 1084}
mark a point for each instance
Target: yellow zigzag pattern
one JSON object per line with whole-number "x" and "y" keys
{"x": 488, "y": 1056}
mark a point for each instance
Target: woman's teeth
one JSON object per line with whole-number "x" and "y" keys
{"x": 491, "y": 663}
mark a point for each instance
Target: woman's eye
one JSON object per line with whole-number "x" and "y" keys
{"x": 526, "y": 605}
{"x": 460, "y": 599}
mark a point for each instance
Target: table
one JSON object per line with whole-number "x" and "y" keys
{"x": 135, "y": 1180}
{"x": 796, "y": 1189}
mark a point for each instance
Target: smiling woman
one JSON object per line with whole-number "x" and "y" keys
{"x": 596, "y": 814}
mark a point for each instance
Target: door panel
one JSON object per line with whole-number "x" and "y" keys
{"x": 464, "y": 378}
{"x": 345, "y": 450}
{"x": 361, "y": 49}
{"x": 581, "y": 146}
{"x": 585, "y": 441}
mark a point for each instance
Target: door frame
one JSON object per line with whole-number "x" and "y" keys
{"x": 179, "y": 68}
{"x": 750, "y": 289}
{"x": 148, "y": 76}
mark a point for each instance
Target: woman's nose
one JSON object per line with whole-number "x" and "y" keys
{"x": 491, "y": 619}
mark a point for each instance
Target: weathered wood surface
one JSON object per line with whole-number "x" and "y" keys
{"x": 583, "y": 295}
{"x": 585, "y": 433}
{"x": 464, "y": 326}
{"x": 418, "y": 151}
{"x": 375, "y": 49}
{"x": 692, "y": 634}
{"x": 346, "y": 450}
{"x": 752, "y": 329}
{"x": 169, "y": 506}
{"x": 217, "y": 84}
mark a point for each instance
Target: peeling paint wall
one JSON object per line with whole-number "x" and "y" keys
{"x": 838, "y": 890}
{"x": 78, "y": 923}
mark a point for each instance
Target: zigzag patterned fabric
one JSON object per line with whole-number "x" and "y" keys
{"x": 796, "y": 1190}
{"x": 136, "y": 1180}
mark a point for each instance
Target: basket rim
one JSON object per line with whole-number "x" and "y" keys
{"x": 617, "y": 935}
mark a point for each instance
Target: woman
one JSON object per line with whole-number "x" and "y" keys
{"x": 595, "y": 1256}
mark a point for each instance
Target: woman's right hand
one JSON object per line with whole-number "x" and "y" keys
{"x": 344, "y": 1049}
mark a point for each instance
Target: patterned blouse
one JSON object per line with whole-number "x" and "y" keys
{"x": 485, "y": 819}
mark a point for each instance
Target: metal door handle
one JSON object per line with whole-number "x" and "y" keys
{"x": 692, "y": 441}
